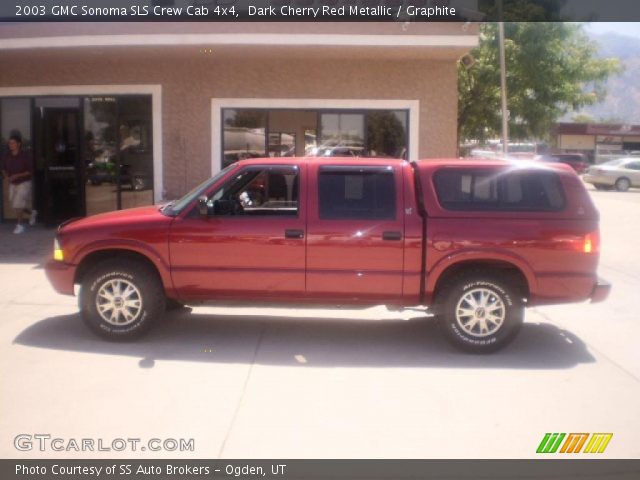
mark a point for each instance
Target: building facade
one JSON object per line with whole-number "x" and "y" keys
{"x": 119, "y": 115}
{"x": 598, "y": 142}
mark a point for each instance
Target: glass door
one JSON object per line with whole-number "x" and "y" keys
{"x": 60, "y": 149}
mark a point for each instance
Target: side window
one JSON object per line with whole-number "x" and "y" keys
{"x": 365, "y": 193}
{"x": 467, "y": 190}
{"x": 258, "y": 191}
{"x": 634, "y": 165}
{"x": 532, "y": 191}
{"x": 519, "y": 190}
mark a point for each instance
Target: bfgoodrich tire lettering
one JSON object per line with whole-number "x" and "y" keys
{"x": 480, "y": 313}
{"x": 120, "y": 299}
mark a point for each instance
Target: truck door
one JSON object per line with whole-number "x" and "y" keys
{"x": 355, "y": 232}
{"x": 252, "y": 245}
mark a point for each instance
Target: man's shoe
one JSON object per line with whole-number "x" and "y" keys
{"x": 19, "y": 229}
{"x": 32, "y": 217}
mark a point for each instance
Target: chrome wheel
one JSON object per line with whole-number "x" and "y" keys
{"x": 480, "y": 312}
{"x": 119, "y": 302}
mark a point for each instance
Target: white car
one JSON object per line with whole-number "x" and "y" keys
{"x": 621, "y": 174}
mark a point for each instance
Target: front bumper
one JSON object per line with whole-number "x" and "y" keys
{"x": 600, "y": 291}
{"x": 60, "y": 276}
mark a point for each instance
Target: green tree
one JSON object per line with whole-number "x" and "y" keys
{"x": 552, "y": 69}
{"x": 583, "y": 118}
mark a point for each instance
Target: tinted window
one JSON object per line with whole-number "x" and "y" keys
{"x": 357, "y": 193}
{"x": 519, "y": 190}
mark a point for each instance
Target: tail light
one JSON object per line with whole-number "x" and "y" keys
{"x": 591, "y": 243}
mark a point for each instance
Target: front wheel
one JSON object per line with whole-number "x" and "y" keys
{"x": 120, "y": 299}
{"x": 480, "y": 313}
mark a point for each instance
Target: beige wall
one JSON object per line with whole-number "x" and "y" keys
{"x": 577, "y": 142}
{"x": 191, "y": 78}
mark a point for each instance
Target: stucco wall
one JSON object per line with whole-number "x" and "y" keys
{"x": 190, "y": 79}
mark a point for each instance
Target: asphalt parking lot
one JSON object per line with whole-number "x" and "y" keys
{"x": 276, "y": 383}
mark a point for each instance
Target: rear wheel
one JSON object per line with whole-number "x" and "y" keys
{"x": 480, "y": 313}
{"x": 120, "y": 299}
{"x": 623, "y": 184}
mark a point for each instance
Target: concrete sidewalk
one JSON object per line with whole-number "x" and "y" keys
{"x": 32, "y": 246}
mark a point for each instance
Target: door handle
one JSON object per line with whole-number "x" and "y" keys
{"x": 294, "y": 234}
{"x": 391, "y": 235}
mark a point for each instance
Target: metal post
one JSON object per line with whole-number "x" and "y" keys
{"x": 503, "y": 83}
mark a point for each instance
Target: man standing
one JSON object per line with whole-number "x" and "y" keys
{"x": 17, "y": 167}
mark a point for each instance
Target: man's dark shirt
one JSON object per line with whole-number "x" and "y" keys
{"x": 19, "y": 163}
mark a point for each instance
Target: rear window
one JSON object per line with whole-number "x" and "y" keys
{"x": 491, "y": 190}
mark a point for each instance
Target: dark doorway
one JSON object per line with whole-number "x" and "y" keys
{"x": 59, "y": 146}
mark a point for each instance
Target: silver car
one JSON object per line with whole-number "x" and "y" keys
{"x": 621, "y": 174}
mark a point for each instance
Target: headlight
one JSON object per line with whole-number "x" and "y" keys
{"x": 57, "y": 251}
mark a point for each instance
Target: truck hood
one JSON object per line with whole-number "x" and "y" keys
{"x": 117, "y": 218}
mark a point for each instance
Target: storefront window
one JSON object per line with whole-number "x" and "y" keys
{"x": 136, "y": 152}
{"x": 250, "y": 133}
{"x": 387, "y": 134}
{"x": 342, "y": 135}
{"x": 244, "y": 134}
{"x": 100, "y": 154}
{"x": 117, "y": 153}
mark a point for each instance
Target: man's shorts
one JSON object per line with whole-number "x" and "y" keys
{"x": 20, "y": 195}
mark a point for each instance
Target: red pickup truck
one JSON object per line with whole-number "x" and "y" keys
{"x": 475, "y": 240}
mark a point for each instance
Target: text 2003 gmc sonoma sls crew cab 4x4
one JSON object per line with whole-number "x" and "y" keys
{"x": 477, "y": 241}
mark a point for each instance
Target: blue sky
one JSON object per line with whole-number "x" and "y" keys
{"x": 622, "y": 28}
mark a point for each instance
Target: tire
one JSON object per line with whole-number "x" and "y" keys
{"x": 122, "y": 280}
{"x": 471, "y": 329}
{"x": 623, "y": 184}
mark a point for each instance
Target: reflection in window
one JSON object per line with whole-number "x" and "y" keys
{"x": 381, "y": 133}
{"x": 387, "y": 134}
{"x": 244, "y": 134}
{"x": 99, "y": 155}
{"x": 117, "y": 153}
{"x": 136, "y": 156}
{"x": 341, "y": 135}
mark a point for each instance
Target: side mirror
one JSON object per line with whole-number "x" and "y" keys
{"x": 203, "y": 208}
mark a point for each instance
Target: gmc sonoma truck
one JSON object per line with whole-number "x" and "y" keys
{"x": 475, "y": 240}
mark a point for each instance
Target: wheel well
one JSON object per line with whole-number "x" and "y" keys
{"x": 94, "y": 258}
{"x": 502, "y": 269}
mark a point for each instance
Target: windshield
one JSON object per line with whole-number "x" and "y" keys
{"x": 181, "y": 203}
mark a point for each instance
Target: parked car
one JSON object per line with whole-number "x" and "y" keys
{"x": 621, "y": 174}
{"x": 577, "y": 161}
{"x": 475, "y": 240}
